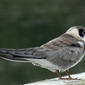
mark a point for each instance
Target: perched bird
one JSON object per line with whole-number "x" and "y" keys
{"x": 58, "y": 55}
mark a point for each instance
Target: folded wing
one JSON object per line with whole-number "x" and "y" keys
{"x": 21, "y": 54}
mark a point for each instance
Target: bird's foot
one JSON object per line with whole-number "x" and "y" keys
{"x": 73, "y": 79}
{"x": 63, "y": 78}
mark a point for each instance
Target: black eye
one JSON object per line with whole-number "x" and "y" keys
{"x": 81, "y": 32}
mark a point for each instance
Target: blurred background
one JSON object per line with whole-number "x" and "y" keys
{"x": 30, "y": 23}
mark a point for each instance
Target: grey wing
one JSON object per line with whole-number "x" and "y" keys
{"x": 22, "y": 54}
{"x": 65, "y": 57}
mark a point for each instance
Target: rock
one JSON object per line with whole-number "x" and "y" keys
{"x": 56, "y": 81}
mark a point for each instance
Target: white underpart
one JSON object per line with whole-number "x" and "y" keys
{"x": 83, "y": 38}
{"x": 44, "y": 64}
{"x": 81, "y": 43}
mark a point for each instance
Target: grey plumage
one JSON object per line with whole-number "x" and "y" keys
{"x": 24, "y": 53}
{"x": 61, "y": 53}
{"x": 65, "y": 53}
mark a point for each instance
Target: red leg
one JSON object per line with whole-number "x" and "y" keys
{"x": 58, "y": 73}
{"x": 69, "y": 77}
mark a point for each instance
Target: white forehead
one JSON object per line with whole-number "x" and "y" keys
{"x": 74, "y": 31}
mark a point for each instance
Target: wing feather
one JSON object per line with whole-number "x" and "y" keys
{"x": 66, "y": 56}
{"x": 21, "y": 54}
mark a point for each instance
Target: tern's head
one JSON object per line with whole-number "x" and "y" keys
{"x": 77, "y": 32}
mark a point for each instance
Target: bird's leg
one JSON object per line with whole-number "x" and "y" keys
{"x": 69, "y": 77}
{"x": 58, "y": 73}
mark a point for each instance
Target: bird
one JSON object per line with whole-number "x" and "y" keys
{"x": 58, "y": 55}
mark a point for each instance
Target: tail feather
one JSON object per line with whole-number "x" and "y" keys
{"x": 21, "y": 54}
